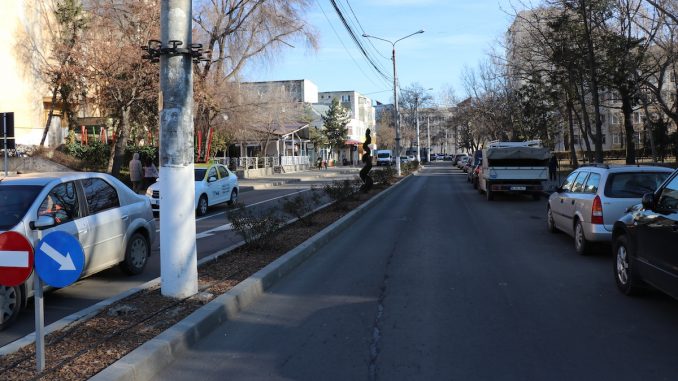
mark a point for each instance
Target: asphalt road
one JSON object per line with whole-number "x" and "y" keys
{"x": 212, "y": 235}
{"x": 436, "y": 283}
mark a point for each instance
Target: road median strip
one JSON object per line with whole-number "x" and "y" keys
{"x": 153, "y": 356}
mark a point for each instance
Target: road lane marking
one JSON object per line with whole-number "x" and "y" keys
{"x": 222, "y": 227}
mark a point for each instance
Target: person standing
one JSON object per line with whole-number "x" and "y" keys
{"x": 150, "y": 173}
{"x": 136, "y": 172}
{"x": 553, "y": 168}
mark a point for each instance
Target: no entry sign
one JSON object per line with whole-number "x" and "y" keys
{"x": 16, "y": 259}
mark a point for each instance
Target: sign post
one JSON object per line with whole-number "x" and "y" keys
{"x": 59, "y": 261}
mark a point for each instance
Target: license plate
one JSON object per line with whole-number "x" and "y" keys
{"x": 518, "y": 188}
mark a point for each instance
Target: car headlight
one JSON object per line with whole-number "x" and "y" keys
{"x": 149, "y": 192}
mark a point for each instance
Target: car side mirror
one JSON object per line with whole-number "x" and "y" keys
{"x": 43, "y": 222}
{"x": 648, "y": 201}
{"x": 211, "y": 179}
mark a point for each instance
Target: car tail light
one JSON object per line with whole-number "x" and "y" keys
{"x": 597, "y": 211}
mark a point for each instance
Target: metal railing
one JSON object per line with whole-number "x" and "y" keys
{"x": 261, "y": 162}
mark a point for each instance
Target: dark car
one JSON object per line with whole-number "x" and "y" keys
{"x": 644, "y": 242}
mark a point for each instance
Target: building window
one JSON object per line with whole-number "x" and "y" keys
{"x": 616, "y": 139}
{"x": 345, "y": 98}
{"x": 614, "y": 118}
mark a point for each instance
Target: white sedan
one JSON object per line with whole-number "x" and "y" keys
{"x": 214, "y": 185}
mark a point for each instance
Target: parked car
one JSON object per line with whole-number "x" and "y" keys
{"x": 214, "y": 184}
{"x": 592, "y": 198}
{"x": 462, "y": 161}
{"x": 114, "y": 225}
{"x": 645, "y": 240}
{"x": 457, "y": 157}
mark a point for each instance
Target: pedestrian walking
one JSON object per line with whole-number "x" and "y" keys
{"x": 553, "y": 168}
{"x": 136, "y": 172}
{"x": 150, "y": 173}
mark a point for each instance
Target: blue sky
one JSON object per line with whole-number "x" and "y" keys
{"x": 458, "y": 34}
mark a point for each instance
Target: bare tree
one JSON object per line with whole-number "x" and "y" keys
{"x": 53, "y": 53}
{"x": 123, "y": 84}
{"x": 238, "y": 33}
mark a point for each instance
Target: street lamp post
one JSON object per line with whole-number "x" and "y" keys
{"x": 396, "y": 115}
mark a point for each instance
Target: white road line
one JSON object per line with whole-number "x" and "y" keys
{"x": 228, "y": 226}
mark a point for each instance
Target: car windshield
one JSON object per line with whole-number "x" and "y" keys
{"x": 383, "y": 155}
{"x": 200, "y": 174}
{"x": 14, "y": 203}
{"x": 633, "y": 184}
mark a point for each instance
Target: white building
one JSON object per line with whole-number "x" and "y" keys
{"x": 24, "y": 93}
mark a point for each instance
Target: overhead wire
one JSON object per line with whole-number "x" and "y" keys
{"x": 358, "y": 43}
{"x": 363, "y": 30}
{"x": 370, "y": 78}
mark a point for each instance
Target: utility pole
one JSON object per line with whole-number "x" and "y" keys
{"x": 178, "y": 252}
{"x": 396, "y": 114}
{"x": 428, "y": 132}
{"x": 416, "y": 116}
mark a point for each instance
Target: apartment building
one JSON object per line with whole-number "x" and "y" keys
{"x": 24, "y": 93}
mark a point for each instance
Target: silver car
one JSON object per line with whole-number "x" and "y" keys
{"x": 593, "y": 197}
{"x": 114, "y": 225}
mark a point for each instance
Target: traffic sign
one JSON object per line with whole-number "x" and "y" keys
{"x": 59, "y": 259}
{"x": 16, "y": 259}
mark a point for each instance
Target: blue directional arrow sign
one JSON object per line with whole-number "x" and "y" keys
{"x": 59, "y": 259}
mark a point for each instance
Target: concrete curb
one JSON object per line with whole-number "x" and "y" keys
{"x": 153, "y": 356}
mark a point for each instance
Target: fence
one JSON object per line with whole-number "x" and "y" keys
{"x": 261, "y": 162}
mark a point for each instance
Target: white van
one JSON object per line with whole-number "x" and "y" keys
{"x": 385, "y": 157}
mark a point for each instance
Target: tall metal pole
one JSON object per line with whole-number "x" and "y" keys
{"x": 4, "y": 135}
{"x": 416, "y": 116}
{"x": 178, "y": 253}
{"x": 396, "y": 114}
{"x": 428, "y": 132}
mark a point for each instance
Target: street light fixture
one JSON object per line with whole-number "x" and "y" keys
{"x": 396, "y": 115}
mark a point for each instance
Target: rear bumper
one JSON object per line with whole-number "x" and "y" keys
{"x": 517, "y": 187}
{"x": 596, "y": 232}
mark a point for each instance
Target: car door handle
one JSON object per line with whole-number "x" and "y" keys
{"x": 125, "y": 218}
{"x": 80, "y": 232}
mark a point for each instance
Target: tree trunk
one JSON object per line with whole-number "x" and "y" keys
{"x": 593, "y": 73}
{"x": 570, "y": 121}
{"x": 50, "y": 114}
{"x": 121, "y": 141}
{"x": 627, "y": 110}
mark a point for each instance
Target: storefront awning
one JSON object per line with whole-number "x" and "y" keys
{"x": 352, "y": 142}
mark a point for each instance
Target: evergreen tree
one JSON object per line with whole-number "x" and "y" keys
{"x": 334, "y": 123}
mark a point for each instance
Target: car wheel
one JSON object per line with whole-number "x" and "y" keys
{"x": 581, "y": 245}
{"x": 234, "y": 197}
{"x": 625, "y": 275}
{"x": 10, "y": 305}
{"x": 136, "y": 255}
{"x": 201, "y": 210}
{"x": 550, "y": 223}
